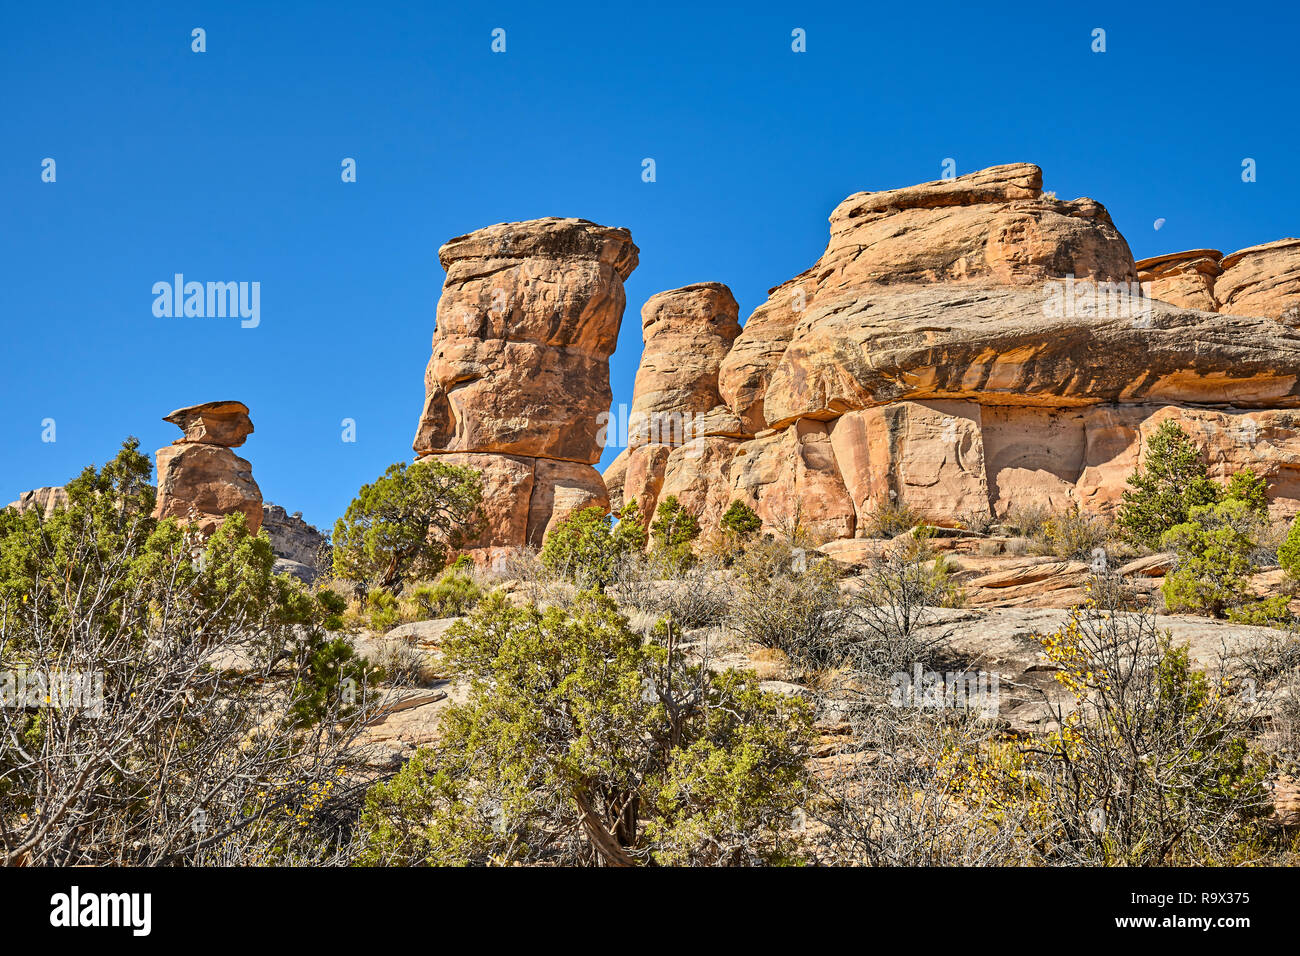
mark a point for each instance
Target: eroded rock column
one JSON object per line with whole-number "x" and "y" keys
{"x": 518, "y": 383}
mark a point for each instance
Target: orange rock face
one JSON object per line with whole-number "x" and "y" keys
{"x": 686, "y": 333}
{"x": 967, "y": 347}
{"x": 994, "y": 227}
{"x": 527, "y": 321}
{"x": 213, "y": 423}
{"x": 200, "y": 484}
{"x": 518, "y": 382}
{"x": 1260, "y": 281}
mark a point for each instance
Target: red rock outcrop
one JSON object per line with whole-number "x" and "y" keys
{"x": 200, "y": 480}
{"x": 972, "y": 345}
{"x": 1260, "y": 281}
{"x": 518, "y": 383}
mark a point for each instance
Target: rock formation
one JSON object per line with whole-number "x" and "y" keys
{"x": 968, "y": 346}
{"x": 200, "y": 480}
{"x": 297, "y": 545}
{"x": 44, "y": 500}
{"x": 518, "y": 383}
{"x": 1262, "y": 280}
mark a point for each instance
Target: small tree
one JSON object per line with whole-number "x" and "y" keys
{"x": 1288, "y": 555}
{"x": 1214, "y": 546}
{"x": 740, "y": 521}
{"x": 587, "y": 546}
{"x": 674, "y": 530}
{"x": 581, "y": 742}
{"x": 1249, "y": 488}
{"x": 404, "y": 525}
{"x": 1172, "y": 482}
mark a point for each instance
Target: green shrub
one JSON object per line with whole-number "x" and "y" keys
{"x": 1288, "y": 555}
{"x": 587, "y": 546}
{"x": 1250, "y": 489}
{"x": 890, "y": 519}
{"x": 1173, "y": 481}
{"x": 1214, "y": 547}
{"x": 454, "y": 594}
{"x": 674, "y": 531}
{"x": 740, "y": 521}
{"x": 383, "y": 611}
{"x": 582, "y": 742}
{"x": 1072, "y": 534}
{"x": 333, "y": 606}
{"x": 403, "y": 525}
{"x": 1266, "y": 612}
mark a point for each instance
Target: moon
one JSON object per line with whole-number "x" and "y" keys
{"x": 1157, "y": 224}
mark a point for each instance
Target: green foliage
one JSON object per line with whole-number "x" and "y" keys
{"x": 582, "y": 741}
{"x": 404, "y": 524}
{"x": 1250, "y": 489}
{"x": 1214, "y": 547}
{"x": 1288, "y": 555}
{"x": 454, "y": 594}
{"x": 332, "y": 608}
{"x": 891, "y": 518}
{"x": 1266, "y": 612}
{"x": 108, "y": 513}
{"x": 1071, "y": 534}
{"x": 674, "y": 530}
{"x": 1162, "y": 494}
{"x": 106, "y": 548}
{"x": 740, "y": 521}
{"x": 383, "y": 611}
{"x": 587, "y": 546}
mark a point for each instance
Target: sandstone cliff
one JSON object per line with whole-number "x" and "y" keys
{"x": 968, "y": 346}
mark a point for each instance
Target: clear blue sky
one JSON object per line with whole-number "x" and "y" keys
{"x": 225, "y": 166}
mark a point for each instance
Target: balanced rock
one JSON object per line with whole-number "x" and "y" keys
{"x": 200, "y": 480}
{"x": 213, "y": 423}
{"x": 517, "y": 387}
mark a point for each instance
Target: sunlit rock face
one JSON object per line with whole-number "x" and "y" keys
{"x": 517, "y": 386}
{"x": 972, "y": 345}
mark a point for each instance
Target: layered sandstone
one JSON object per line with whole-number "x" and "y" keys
{"x": 200, "y": 480}
{"x": 1262, "y": 280}
{"x": 517, "y": 386}
{"x": 973, "y": 345}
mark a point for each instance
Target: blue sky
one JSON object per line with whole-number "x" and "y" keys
{"x": 225, "y": 165}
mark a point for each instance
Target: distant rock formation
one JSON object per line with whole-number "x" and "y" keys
{"x": 44, "y": 500}
{"x": 518, "y": 382}
{"x": 200, "y": 480}
{"x": 297, "y": 545}
{"x": 964, "y": 347}
{"x": 1262, "y": 280}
